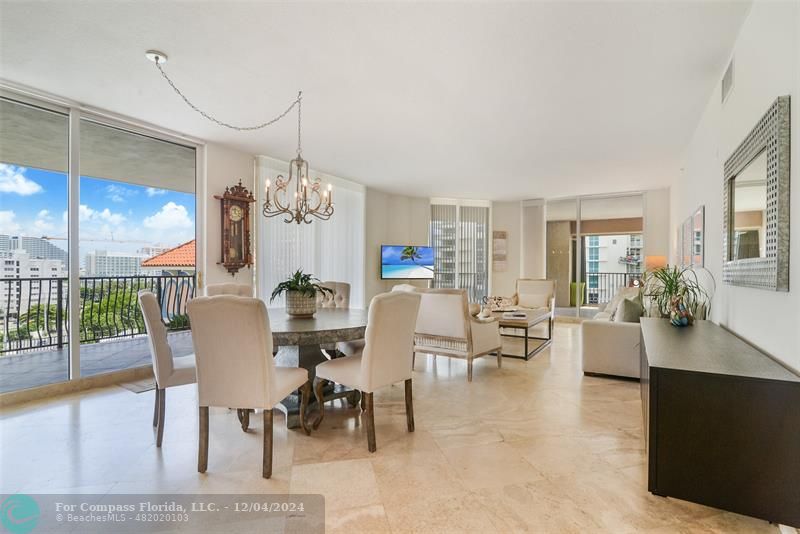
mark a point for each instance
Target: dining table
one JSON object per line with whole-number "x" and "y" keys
{"x": 300, "y": 341}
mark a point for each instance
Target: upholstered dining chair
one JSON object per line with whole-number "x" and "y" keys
{"x": 229, "y": 288}
{"x": 169, "y": 372}
{"x": 233, "y": 345}
{"x": 339, "y": 298}
{"x": 384, "y": 360}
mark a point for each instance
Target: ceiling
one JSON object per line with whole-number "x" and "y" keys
{"x": 470, "y": 100}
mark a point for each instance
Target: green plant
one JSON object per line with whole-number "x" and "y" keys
{"x": 662, "y": 285}
{"x": 304, "y": 283}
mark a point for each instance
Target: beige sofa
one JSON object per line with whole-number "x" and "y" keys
{"x": 610, "y": 347}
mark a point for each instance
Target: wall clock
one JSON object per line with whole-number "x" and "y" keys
{"x": 235, "y": 237}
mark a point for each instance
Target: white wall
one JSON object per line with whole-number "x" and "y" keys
{"x": 391, "y": 220}
{"x": 224, "y": 167}
{"x": 534, "y": 239}
{"x": 767, "y": 65}
{"x": 507, "y": 217}
{"x": 657, "y": 225}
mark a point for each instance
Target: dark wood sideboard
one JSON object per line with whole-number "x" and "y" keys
{"x": 721, "y": 421}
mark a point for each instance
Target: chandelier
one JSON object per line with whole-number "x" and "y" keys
{"x": 310, "y": 198}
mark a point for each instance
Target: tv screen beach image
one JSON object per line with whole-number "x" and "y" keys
{"x": 406, "y": 263}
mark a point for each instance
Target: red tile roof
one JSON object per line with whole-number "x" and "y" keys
{"x": 180, "y": 256}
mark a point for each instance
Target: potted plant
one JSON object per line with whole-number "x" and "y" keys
{"x": 301, "y": 294}
{"x": 675, "y": 293}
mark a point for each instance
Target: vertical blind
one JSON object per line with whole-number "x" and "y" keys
{"x": 460, "y": 241}
{"x": 331, "y": 250}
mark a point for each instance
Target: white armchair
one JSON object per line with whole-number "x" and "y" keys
{"x": 241, "y": 374}
{"x": 384, "y": 360}
{"x": 445, "y": 327}
{"x": 169, "y": 372}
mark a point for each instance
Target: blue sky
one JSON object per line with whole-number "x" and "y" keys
{"x": 34, "y": 202}
{"x": 391, "y": 256}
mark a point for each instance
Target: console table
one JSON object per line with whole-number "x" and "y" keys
{"x": 721, "y": 421}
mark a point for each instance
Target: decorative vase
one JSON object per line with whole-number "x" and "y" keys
{"x": 299, "y": 304}
{"x": 679, "y": 314}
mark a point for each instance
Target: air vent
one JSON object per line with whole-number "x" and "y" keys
{"x": 727, "y": 82}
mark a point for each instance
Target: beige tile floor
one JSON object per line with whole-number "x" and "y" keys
{"x": 534, "y": 447}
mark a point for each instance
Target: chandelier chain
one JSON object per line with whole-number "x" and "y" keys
{"x": 270, "y": 122}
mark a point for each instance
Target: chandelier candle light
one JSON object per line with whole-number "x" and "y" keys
{"x": 310, "y": 199}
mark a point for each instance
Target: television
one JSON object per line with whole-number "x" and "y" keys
{"x": 405, "y": 262}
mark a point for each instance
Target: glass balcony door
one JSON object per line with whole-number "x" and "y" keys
{"x": 34, "y": 250}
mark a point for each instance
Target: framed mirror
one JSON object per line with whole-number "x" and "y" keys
{"x": 698, "y": 237}
{"x": 756, "y": 201}
{"x": 686, "y": 259}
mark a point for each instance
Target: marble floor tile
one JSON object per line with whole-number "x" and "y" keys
{"x": 532, "y": 447}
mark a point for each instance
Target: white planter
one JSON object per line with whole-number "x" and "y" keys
{"x": 300, "y": 305}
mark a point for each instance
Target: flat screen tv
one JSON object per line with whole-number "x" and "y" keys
{"x": 402, "y": 262}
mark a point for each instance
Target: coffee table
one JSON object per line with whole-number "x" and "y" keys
{"x": 533, "y": 317}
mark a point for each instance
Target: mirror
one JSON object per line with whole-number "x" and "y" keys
{"x": 749, "y": 206}
{"x": 755, "y": 235}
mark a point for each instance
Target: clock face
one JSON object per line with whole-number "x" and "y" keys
{"x": 235, "y": 213}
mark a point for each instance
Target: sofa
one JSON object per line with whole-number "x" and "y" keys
{"x": 610, "y": 346}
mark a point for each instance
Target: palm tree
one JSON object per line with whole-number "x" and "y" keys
{"x": 411, "y": 253}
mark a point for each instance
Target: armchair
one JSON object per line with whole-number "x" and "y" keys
{"x": 445, "y": 327}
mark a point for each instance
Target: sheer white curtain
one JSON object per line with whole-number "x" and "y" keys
{"x": 330, "y": 250}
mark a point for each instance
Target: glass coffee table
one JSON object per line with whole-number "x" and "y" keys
{"x": 532, "y": 318}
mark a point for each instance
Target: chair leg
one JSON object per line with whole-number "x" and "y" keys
{"x": 162, "y": 406}
{"x": 305, "y": 396}
{"x": 469, "y": 369}
{"x": 155, "y": 405}
{"x": 413, "y": 360}
{"x": 500, "y": 358}
{"x": 370, "y": 424}
{"x": 244, "y": 418}
{"x": 266, "y": 468}
{"x": 202, "y": 450}
{"x": 318, "y": 394}
{"x": 409, "y": 407}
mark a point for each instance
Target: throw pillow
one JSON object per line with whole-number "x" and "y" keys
{"x": 629, "y": 310}
{"x": 527, "y": 300}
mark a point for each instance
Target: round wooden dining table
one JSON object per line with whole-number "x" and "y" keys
{"x": 299, "y": 342}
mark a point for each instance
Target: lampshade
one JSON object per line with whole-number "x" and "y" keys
{"x": 654, "y": 262}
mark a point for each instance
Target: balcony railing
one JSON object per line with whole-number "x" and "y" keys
{"x": 601, "y": 287}
{"x": 34, "y": 311}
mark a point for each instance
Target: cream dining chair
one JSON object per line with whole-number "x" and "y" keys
{"x": 384, "y": 360}
{"x": 229, "y": 288}
{"x": 241, "y": 374}
{"x": 168, "y": 371}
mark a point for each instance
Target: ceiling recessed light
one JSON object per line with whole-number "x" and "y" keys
{"x": 156, "y": 56}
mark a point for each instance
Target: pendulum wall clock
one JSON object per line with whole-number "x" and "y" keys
{"x": 235, "y": 205}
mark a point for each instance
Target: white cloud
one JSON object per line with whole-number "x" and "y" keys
{"x": 8, "y": 223}
{"x": 87, "y": 214}
{"x": 118, "y": 193}
{"x": 43, "y": 223}
{"x": 13, "y": 180}
{"x": 152, "y": 191}
{"x": 171, "y": 217}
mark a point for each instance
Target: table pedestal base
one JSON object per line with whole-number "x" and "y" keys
{"x": 308, "y": 357}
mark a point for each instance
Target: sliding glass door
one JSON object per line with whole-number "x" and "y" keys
{"x": 68, "y": 308}
{"x": 34, "y": 266}
{"x": 594, "y": 248}
{"x": 136, "y": 231}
